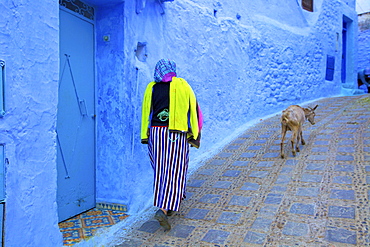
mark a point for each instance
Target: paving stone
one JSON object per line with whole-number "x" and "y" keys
{"x": 269, "y": 210}
{"x": 255, "y": 237}
{"x": 231, "y": 173}
{"x": 291, "y": 162}
{"x": 197, "y": 213}
{"x": 348, "y": 136}
{"x": 274, "y": 198}
{"x": 225, "y": 155}
{"x": 258, "y": 174}
{"x": 315, "y": 167}
{"x": 278, "y": 188}
{"x": 181, "y": 231}
{"x": 287, "y": 169}
{"x": 306, "y": 177}
{"x": 188, "y": 194}
{"x": 308, "y": 191}
{"x": 341, "y": 235}
{"x": 196, "y": 183}
{"x": 283, "y": 179}
{"x": 271, "y": 155}
{"x": 345, "y": 157}
{"x": 265, "y": 164}
{"x": 321, "y": 142}
{"x": 275, "y": 148}
{"x": 295, "y": 229}
{"x": 217, "y": 162}
{"x": 207, "y": 171}
{"x": 210, "y": 198}
{"x": 346, "y": 142}
{"x": 301, "y": 208}
{"x": 260, "y": 141}
{"x": 342, "y": 194}
{"x": 320, "y": 149}
{"x": 368, "y": 179}
{"x": 250, "y": 186}
{"x": 346, "y": 149}
{"x": 341, "y": 212}
{"x": 247, "y": 155}
{"x": 255, "y": 147}
{"x": 222, "y": 184}
{"x": 342, "y": 180}
{"x": 344, "y": 168}
{"x": 266, "y": 135}
{"x": 233, "y": 147}
{"x": 324, "y": 137}
{"x": 366, "y": 149}
{"x": 239, "y": 141}
{"x": 150, "y": 226}
{"x": 240, "y": 200}
{"x": 216, "y": 236}
{"x": 229, "y": 218}
{"x": 318, "y": 157}
{"x": 240, "y": 163}
{"x": 367, "y": 168}
{"x": 262, "y": 224}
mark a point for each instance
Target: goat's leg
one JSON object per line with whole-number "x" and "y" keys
{"x": 302, "y": 141}
{"x": 294, "y": 142}
{"x": 283, "y": 133}
{"x": 298, "y": 140}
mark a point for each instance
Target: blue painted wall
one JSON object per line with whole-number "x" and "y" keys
{"x": 364, "y": 41}
{"x": 29, "y": 45}
{"x": 244, "y": 59}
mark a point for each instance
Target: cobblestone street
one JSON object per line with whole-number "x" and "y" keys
{"x": 247, "y": 195}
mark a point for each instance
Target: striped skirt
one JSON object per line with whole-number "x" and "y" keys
{"x": 169, "y": 157}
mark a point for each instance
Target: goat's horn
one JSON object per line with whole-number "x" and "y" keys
{"x": 315, "y": 107}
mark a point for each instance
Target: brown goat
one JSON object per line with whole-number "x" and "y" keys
{"x": 292, "y": 119}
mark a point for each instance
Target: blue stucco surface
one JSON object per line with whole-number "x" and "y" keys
{"x": 244, "y": 59}
{"x": 364, "y": 49}
{"x": 29, "y": 45}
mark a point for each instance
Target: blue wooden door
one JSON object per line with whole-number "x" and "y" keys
{"x": 76, "y": 117}
{"x": 344, "y": 51}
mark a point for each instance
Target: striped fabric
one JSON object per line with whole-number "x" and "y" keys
{"x": 169, "y": 156}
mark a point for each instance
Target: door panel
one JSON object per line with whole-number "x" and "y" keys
{"x": 76, "y": 121}
{"x": 344, "y": 51}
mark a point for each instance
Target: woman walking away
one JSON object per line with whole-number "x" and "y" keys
{"x": 170, "y": 122}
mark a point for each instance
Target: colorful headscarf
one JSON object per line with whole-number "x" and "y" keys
{"x": 164, "y": 70}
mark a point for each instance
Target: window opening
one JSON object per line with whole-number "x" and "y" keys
{"x": 307, "y": 5}
{"x": 141, "y": 52}
{"x": 330, "y": 65}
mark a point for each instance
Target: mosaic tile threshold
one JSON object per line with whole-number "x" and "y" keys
{"x": 85, "y": 225}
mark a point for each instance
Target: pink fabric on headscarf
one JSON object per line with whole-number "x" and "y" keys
{"x": 168, "y": 77}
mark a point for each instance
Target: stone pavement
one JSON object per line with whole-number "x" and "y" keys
{"x": 247, "y": 195}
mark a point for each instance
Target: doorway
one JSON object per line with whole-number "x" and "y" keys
{"x": 76, "y": 115}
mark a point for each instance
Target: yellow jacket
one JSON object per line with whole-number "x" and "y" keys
{"x": 182, "y": 109}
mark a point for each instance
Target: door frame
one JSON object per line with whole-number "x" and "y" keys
{"x": 93, "y": 22}
{"x": 348, "y": 69}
